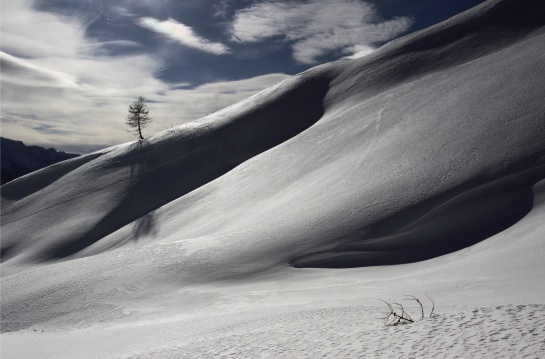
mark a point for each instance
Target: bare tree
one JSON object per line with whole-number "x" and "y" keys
{"x": 138, "y": 117}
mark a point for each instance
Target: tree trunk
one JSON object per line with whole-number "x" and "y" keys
{"x": 140, "y": 130}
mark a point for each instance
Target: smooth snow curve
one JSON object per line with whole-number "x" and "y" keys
{"x": 432, "y": 144}
{"x": 408, "y": 139}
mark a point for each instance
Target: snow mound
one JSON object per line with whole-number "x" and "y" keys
{"x": 104, "y": 191}
{"x": 450, "y": 116}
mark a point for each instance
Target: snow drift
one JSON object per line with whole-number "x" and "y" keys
{"x": 431, "y": 144}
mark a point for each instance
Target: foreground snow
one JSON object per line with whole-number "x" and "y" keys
{"x": 280, "y": 218}
{"x": 333, "y": 332}
{"x": 317, "y": 313}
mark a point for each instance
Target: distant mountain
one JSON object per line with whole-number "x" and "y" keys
{"x": 19, "y": 159}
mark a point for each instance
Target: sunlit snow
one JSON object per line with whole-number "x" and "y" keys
{"x": 271, "y": 228}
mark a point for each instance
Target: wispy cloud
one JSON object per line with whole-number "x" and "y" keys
{"x": 191, "y": 104}
{"x": 315, "y": 27}
{"x": 27, "y": 33}
{"x": 183, "y": 34}
{"x": 20, "y": 72}
{"x": 222, "y": 8}
{"x": 358, "y": 51}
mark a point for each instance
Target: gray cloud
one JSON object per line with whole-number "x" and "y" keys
{"x": 315, "y": 27}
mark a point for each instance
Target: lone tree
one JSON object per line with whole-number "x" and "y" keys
{"x": 138, "y": 117}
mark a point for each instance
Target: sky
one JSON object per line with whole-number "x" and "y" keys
{"x": 71, "y": 68}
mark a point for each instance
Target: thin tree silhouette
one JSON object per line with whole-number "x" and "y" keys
{"x": 138, "y": 117}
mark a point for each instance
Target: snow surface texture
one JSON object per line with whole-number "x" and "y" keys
{"x": 277, "y": 222}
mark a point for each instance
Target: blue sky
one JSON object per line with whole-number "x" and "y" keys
{"x": 70, "y": 68}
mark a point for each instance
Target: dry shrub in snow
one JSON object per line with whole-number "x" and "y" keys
{"x": 396, "y": 312}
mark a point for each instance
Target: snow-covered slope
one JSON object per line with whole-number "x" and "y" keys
{"x": 432, "y": 144}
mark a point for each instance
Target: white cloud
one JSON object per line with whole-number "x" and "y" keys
{"x": 28, "y": 33}
{"x": 192, "y": 104}
{"x": 57, "y": 92}
{"x": 122, "y": 11}
{"x": 183, "y": 34}
{"x": 315, "y": 27}
{"x": 358, "y": 51}
{"x": 20, "y": 72}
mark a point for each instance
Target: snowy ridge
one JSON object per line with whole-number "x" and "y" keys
{"x": 433, "y": 147}
{"x": 137, "y": 178}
